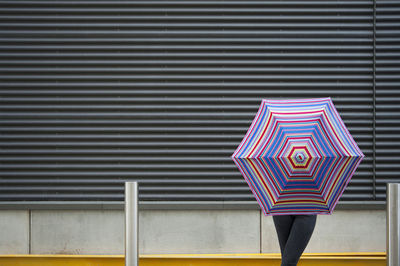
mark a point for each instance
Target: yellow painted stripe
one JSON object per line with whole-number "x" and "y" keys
{"x": 271, "y": 259}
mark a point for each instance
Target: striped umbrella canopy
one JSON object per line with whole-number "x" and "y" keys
{"x": 297, "y": 156}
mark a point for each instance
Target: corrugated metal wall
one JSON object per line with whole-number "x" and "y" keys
{"x": 387, "y": 94}
{"x": 95, "y": 93}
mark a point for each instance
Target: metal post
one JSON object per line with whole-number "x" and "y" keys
{"x": 131, "y": 224}
{"x": 392, "y": 224}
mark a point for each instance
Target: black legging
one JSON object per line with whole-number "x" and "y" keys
{"x": 294, "y": 233}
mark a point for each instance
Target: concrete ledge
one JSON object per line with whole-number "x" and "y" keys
{"x": 15, "y": 235}
{"x": 259, "y": 259}
{"x": 76, "y": 232}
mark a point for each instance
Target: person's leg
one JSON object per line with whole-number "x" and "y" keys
{"x": 283, "y": 225}
{"x": 300, "y": 234}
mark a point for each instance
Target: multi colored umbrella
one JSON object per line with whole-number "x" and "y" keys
{"x": 297, "y": 156}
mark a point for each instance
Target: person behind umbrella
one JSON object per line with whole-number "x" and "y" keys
{"x": 294, "y": 233}
{"x": 297, "y": 158}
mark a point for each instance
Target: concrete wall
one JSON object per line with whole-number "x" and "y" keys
{"x": 175, "y": 231}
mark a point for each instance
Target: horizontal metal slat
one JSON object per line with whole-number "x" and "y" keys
{"x": 192, "y": 18}
{"x": 187, "y": 10}
{"x": 176, "y": 47}
{"x": 211, "y": 25}
{"x": 188, "y": 3}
